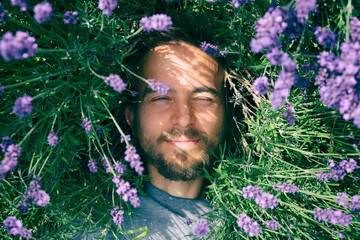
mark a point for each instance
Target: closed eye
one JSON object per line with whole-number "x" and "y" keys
{"x": 156, "y": 99}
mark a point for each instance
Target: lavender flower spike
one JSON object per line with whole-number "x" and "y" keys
{"x": 158, "y": 87}
{"x": 15, "y": 227}
{"x": 86, "y": 124}
{"x": 157, "y": 22}
{"x": 107, "y": 6}
{"x": 70, "y": 17}
{"x": 117, "y": 216}
{"x": 52, "y": 138}
{"x": 23, "y": 107}
{"x": 201, "y": 228}
{"x": 43, "y": 12}
{"x": 325, "y": 37}
{"x": 261, "y": 85}
{"x": 19, "y": 46}
{"x": 115, "y": 82}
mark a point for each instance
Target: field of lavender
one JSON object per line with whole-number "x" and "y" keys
{"x": 290, "y": 169}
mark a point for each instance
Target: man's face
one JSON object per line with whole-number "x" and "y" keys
{"x": 174, "y": 132}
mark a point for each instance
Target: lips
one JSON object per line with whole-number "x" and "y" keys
{"x": 184, "y": 142}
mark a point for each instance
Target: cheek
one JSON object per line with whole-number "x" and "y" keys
{"x": 211, "y": 121}
{"x": 151, "y": 124}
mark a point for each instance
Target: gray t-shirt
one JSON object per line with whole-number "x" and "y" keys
{"x": 166, "y": 217}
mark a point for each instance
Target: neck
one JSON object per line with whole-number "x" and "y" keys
{"x": 184, "y": 189}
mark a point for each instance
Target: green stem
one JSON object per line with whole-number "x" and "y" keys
{"x": 44, "y": 163}
{"x": 113, "y": 119}
{"x": 134, "y": 74}
{"x": 349, "y": 11}
{"x": 93, "y": 72}
{"x": 33, "y": 80}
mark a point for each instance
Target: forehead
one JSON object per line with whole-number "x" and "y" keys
{"x": 182, "y": 65}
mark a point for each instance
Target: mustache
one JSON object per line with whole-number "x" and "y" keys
{"x": 189, "y": 133}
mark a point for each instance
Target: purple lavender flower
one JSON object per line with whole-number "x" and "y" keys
{"x": 43, "y": 12}
{"x": 280, "y": 58}
{"x": 349, "y": 166}
{"x": 201, "y": 228}
{"x": 23, "y": 107}
{"x": 2, "y": 88}
{"x": 331, "y": 216}
{"x": 131, "y": 195}
{"x": 86, "y": 124}
{"x": 117, "y": 216}
{"x": 266, "y": 200}
{"x": 212, "y": 50}
{"x": 92, "y": 166}
{"x": 303, "y": 7}
{"x": 341, "y": 201}
{"x": 10, "y": 160}
{"x": 122, "y": 186}
{"x": 273, "y": 225}
{"x": 52, "y": 138}
{"x": 15, "y": 227}
{"x": 286, "y": 187}
{"x": 261, "y": 85}
{"x": 19, "y": 46}
{"x": 6, "y": 141}
{"x": 127, "y": 137}
{"x": 323, "y": 176}
{"x": 248, "y": 225}
{"x": 134, "y": 159}
{"x": 119, "y": 167}
{"x": 105, "y": 164}
{"x": 289, "y": 114}
{"x": 23, "y": 207}
{"x": 107, "y": 6}
{"x": 115, "y": 82}
{"x": 251, "y": 191}
{"x": 23, "y": 4}
{"x": 3, "y": 14}
{"x": 354, "y": 29}
{"x": 158, "y": 87}
{"x": 282, "y": 88}
{"x": 325, "y": 37}
{"x": 354, "y": 205}
{"x": 40, "y": 198}
{"x": 70, "y": 17}
{"x": 157, "y": 22}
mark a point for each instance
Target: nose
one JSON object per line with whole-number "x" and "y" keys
{"x": 182, "y": 115}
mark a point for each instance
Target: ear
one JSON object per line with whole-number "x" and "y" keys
{"x": 129, "y": 115}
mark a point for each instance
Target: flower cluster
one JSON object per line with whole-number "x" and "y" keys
{"x": 159, "y": 87}
{"x": 92, "y": 166}
{"x": 52, "y": 138}
{"x": 22, "y": 107}
{"x": 19, "y": 46}
{"x": 212, "y": 50}
{"x": 70, "y": 17}
{"x": 118, "y": 216}
{"x": 6, "y": 141}
{"x": 251, "y": 191}
{"x": 105, "y": 164}
{"x": 289, "y": 114}
{"x": 119, "y": 167}
{"x": 354, "y": 27}
{"x": 261, "y": 85}
{"x": 331, "y": 216}
{"x": 325, "y": 37}
{"x": 237, "y": 3}
{"x": 338, "y": 170}
{"x": 33, "y": 194}
{"x": 134, "y": 159}
{"x": 43, "y": 12}
{"x": 303, "y": 7}
{"x": 115, "y": 82}
{"x": 344, "y": 200}
{"x": 273, "y": 225}
{"x": 10, "y": 160}
{"x": 126, "y": 137}
{"x": 286, "y": 187}
{"x": 266, "y": 200}
{"x": 15, "y": 227}
{"x": 338, "y": 77}
{"x": 107, "y": 6}
{"x": 157, "y": 22}
{"x": 128, "y": 194}
{"x": 23, "y": 4}
{"x": 87, "y": 125}
{"x": 248, "y": 225}
{"x": 201, "y": 228}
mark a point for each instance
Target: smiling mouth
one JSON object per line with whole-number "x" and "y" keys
{"x": 184, "y": 143}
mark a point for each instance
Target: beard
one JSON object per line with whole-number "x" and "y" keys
{"x": 182, "y": 165}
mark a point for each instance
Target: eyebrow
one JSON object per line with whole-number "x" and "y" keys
{"x": 196, "y": 90}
